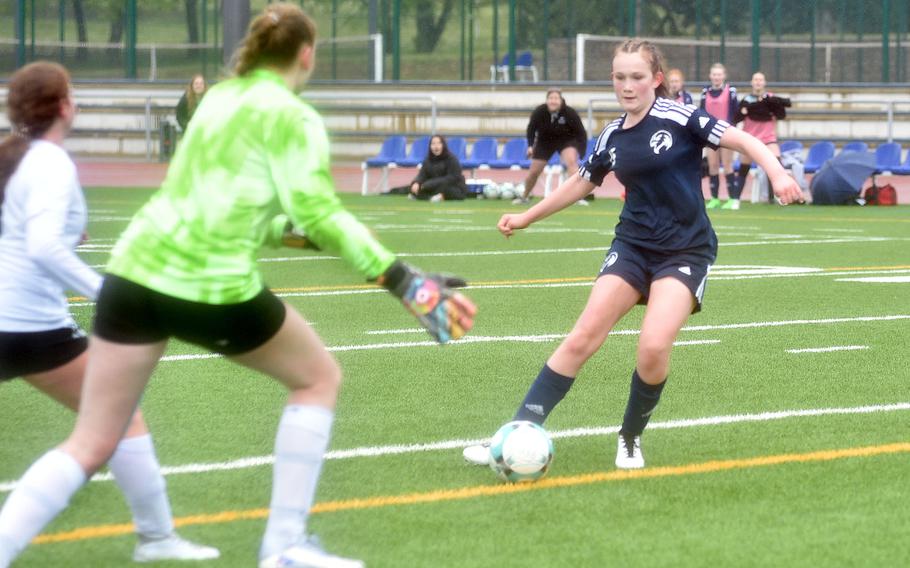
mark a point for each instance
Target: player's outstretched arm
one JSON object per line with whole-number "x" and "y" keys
{"x": 445, "y": 314}
{"x": 568, "y": 192}
{"x": 785, "y": 187}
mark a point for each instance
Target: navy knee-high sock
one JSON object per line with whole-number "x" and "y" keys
{"x": 731, "y": 186}
{"x": 642, "y": 400}
{"x": 741, "y": 176}
{"x": 545, "y": 393}
{"x": 714, "y": 182}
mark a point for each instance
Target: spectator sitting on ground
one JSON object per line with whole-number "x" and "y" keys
{"x": 190, "y": 100}
{"x": 440, "y": 175}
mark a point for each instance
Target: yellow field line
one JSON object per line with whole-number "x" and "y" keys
{"x": 443, "y": 495}
{"x": 335, "y": 287}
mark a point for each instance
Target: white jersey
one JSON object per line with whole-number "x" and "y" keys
{"x": 43, "y": 219}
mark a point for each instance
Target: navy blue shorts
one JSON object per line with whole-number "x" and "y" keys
{"x": 640, "y": 267}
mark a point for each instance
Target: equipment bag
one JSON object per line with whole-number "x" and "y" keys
{"x": 880, "y": 195}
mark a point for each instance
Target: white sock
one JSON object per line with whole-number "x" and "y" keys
{"x": 138, "y": 475}
{"x": 300, "y": 445}
{"x": 40, "y": 495}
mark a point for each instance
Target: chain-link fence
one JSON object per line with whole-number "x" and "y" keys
{"x": 813, "y": 41}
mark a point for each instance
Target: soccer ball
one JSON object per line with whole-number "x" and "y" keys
{"x": 507, "y": 191}
{"x": 491, "y": 191}
{"x": 521, "y": 451}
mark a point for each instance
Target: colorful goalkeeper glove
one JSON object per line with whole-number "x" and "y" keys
{"x": 431, "y": 299}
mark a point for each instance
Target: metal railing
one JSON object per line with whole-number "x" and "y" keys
{"x": 886, "y": 107}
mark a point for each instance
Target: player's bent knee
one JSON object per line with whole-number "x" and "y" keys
{"x": 581, "y": 344}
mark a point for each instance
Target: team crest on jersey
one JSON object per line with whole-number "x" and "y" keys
{"x": 660, "y": 141}
{"x": 703, "y": 121}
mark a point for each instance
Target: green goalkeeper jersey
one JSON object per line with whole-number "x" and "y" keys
{"x": 252, "y": 150}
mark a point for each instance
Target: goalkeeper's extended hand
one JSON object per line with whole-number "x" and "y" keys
{"x": 445, "y": 314}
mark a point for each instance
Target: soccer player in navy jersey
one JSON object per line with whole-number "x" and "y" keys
{"x": 664, "y": 244}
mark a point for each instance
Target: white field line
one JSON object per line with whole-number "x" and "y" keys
{"x": 878, "y": 279}
{"x": 399, "y": 449}
{"x": 542, "y": 338}
{"x": 717, "y": 276}
{"x": 776, "y": 240}
{"x": 829, "y": 349}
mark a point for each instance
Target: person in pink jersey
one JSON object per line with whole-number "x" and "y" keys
{"x": 759, "y": 112}
{"x": 719, "y": 100}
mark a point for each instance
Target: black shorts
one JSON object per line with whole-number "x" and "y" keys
{"x": 28, "y": 353}
{"x": 129, "y": 313}
{"x": 640, "y": 267}
{"x": 543, "y": 149}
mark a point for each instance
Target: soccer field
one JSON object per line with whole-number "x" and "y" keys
{"x": 782, "y": 438}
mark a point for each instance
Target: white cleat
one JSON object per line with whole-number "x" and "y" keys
{"x": 173, "y": 548}
{"x": 477, "y": 455}
{"x": 628, "y": 453}
{"x": 582, "y": 202}
{"x": 308, "y": 554}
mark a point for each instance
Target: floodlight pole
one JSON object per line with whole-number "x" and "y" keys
{"x": 235, "y": 17}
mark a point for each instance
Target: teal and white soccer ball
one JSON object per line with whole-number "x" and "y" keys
{"x": 491, "y": 191}
{"x": 507, "y": 191}
{"x": 521, "y": 451}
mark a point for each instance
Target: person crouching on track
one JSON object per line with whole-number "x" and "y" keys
{"x": 440, "y": 176}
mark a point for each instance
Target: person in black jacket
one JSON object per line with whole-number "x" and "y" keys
{"x": 553, "y": 127}
{"x": 440, "y": 176}
{"x": 190, "y": 100}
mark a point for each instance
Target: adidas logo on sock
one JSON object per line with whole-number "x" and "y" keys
{"x": 535, "y": 408}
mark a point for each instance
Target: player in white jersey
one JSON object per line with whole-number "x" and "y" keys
{"x": 43, "y": 219}
{"x": 185, "y": 267}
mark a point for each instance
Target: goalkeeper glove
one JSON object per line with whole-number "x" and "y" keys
{"x": 445, "y": 314}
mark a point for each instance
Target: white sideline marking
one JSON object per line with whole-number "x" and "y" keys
{"x": 829, "y": 349}
{"x": 399, "y": 449}
{"x": 555, "y": 336}
{"x": 878, "y": 279}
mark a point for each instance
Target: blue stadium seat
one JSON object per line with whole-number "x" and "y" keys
{"x": 391, "y": 152}
{"x": 855, "y": 146}
{"x": 458, "y": 146}
{"x": 554, "y": 160}
{"x": 524, "y": 61}
{"x": 514, "y": 155}
{"x": 887, "y": 157}
{"x": 483, "y": 152}
{"x": 419, "y": 150}
{"x": 903, "y": 169}
{"x": 819, "y": 153}
{"x": 790, "y": 145}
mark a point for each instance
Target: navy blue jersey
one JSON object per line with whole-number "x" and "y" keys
{"x": 659, "y": 162}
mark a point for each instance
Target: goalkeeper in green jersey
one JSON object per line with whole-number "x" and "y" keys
{"x": 185, "y": 267}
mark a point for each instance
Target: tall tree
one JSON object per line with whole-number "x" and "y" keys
{"x": 429, "y": 26}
